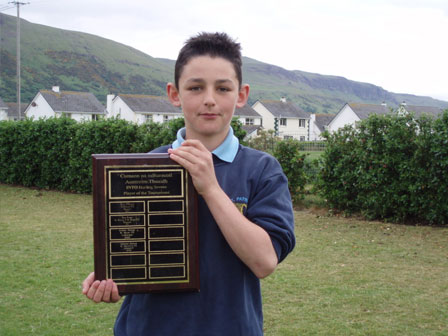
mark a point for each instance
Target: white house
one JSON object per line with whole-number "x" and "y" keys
{"x": 284, "y": 117}
{"x": 351, "y": 113}
{"x": 250, "y": 119}
{"x": 318, "y": 124}
{"x": 55, "y": 103}
{"x": 3, "y": 110}
{"x": 141, "y": 108}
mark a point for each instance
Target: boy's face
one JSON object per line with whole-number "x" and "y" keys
{"x": 208, "y": 93}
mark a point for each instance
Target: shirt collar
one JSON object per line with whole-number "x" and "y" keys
{"x": 226, "y": 151}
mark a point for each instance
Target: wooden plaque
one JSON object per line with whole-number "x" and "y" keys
{"x": 145, "y": 223}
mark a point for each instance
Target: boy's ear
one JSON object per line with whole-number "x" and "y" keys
{"x": 173, "y": 94}
{"x": 243, "y": 95}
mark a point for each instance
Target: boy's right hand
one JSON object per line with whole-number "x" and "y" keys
{"x": 100, "y": 291}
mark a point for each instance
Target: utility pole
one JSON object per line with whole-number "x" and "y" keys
{"x": 17, "y": 3}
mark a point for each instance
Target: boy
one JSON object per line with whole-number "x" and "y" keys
{"x": 245, "y": 211}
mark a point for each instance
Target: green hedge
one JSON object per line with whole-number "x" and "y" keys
{"x": 55, "y": 153}
{"x": 292, "y": 161}
{"x": 391, "y": 167}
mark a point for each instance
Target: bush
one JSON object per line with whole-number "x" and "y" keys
{"x": 95, "y": 137}
{"x": 35, "y": 153}
{"x": 265, "y": 141}
{"x": 288, "y": 154}
{"x": 389, "y": 167}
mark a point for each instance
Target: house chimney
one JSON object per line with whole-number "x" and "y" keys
{"x": 283, "y": 99}
{"x": 55, "y": 89}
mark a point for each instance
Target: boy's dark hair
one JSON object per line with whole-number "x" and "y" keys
{"x": 213, "y": 45}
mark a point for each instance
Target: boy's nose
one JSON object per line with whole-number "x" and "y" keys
{"x": 209, "y": 99}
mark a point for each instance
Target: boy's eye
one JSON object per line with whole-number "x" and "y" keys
{"x": 223, "y": 89}
{"x": 194, "y": 88}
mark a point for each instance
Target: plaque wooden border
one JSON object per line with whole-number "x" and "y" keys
{"x": 185, "y": 255}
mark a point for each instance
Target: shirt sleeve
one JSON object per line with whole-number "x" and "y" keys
{"x": 271, "y": 208}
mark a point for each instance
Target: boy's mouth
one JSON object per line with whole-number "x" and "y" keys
{"x": 209, "y": 115}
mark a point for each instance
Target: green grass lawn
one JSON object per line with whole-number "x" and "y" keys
{"x": 345, "y": 277}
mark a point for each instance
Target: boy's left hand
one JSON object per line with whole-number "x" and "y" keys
{"x": 193, "y": 156}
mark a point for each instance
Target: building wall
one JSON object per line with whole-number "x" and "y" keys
{"x": 314, "y": 129}
{"x": 3, "y": 115}
{"x": 345, "y": 117}
{"x": 268, "y": 118}
{"x": 242, "y": 120}
{"x": 292, "y": 129}
{"x": 158, "y": 117}
{"x": 80, "y": 116}
{"x": 119, "y": 109}
{"x": 41, "y": 108}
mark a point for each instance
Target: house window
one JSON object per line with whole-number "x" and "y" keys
{"x": 282, "y": 121}
{"x": 165, "y": 118}
{"x": 302, "y": 138}
{"x": 66, "y": 115}
{"x": 95, "y": 117}
{"x": 249, "y": 121}
{"x": 148, "y": 118}
{"x": 302, "y": 123}
{"x": 288, "y": 137}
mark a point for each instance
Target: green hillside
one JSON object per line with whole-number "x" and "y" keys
{"x": 84, "y": 62}
{"x": 74, "y": 61}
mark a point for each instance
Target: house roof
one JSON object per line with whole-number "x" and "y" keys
{"x": 148, "y": 104}
{"x": 246, "y": 111}
{"x": 323, "y": 120}
{"x": 251, "y": 128}
{"x": 3, "y": 106}
{"x": 12, "y": 110}
{"x": 423, "y": 110}
{"x": 282, "y": 109}
{"x": 70, "y": 101}
{"x": 364, "y": 110}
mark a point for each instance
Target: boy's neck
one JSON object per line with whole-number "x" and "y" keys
{"x": 210, "y": 142}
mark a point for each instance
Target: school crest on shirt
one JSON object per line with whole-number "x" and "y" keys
{"x": 241, "y": 204}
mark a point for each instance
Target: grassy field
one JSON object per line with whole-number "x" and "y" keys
{"x": 345, "y": 277}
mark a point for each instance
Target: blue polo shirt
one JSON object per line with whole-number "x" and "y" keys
{"x": 229, "y": 301}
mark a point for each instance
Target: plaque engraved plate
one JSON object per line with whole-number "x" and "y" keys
{"x": 145, "y": 224}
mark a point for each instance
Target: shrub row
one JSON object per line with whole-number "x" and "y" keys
{"x": 392, "y": 167}
{"x": 55, "y": 153}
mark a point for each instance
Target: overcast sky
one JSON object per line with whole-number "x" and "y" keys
{"x": 400, "y": 45}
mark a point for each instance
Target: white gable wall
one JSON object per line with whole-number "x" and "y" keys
{"x": 119, "y": 109}
{"x": 268, "y": 118}
{"x": 41, "y": 108}
{"x": 314, "y": 129}
{"x": 345, "y": 117}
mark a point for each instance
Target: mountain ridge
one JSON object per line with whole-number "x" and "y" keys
{"x": 79, "y": 61}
